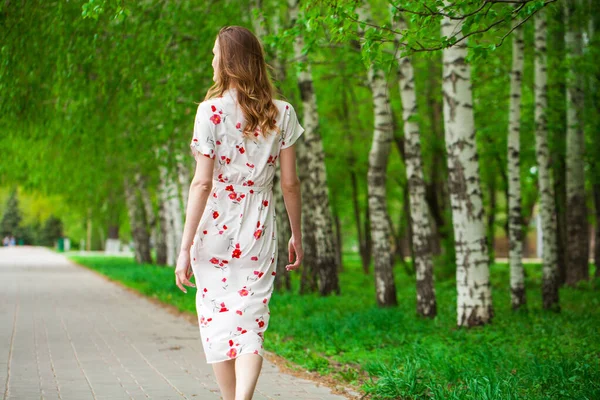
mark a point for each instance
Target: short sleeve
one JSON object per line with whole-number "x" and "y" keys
{"x": 291, "y": 128}
{"x": 203, "y": 140}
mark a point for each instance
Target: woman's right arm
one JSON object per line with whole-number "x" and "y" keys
{"x": 290, "y": 187}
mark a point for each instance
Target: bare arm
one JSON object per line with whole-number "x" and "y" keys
{"x": 197, "y": 197}
{"x": 290, "y": 187}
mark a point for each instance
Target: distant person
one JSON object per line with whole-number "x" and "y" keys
{"x": 13, "y": 241}
{"x": 230, "y": 233}
{"x": 5, "y": 241}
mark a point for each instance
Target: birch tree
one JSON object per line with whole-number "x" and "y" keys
{"x": 542, "y": 153}
{"x": 515, "y": 219}
{"x": 385, "y": 286}
{"x": 419, "y": 214}
{"x": 325, "y": 260}
{"x": 474, "y": 297}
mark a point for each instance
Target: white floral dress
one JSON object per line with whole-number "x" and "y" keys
{"x": 234, "y": 252}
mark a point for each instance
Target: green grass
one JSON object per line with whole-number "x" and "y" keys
{"x": 392, "y": 353}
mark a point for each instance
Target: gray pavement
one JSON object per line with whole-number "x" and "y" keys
{"x": 67, "y": 333}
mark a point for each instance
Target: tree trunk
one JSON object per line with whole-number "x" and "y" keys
{"x": 173, "y": 229}
{"x": 474, "y": 297}
{"x": 137, "y": 221}
{"x": 577, "y": 227}
{"x": 546, "y": 189}
{"x": 419, "y": 219}
{"x": 320, "y": 213}
{"x": 515, "y": 219}
{"x": 597, "y": 232}
{"x": 149, "y": 215}
{"x": 385, "y": 286}
{"x": 161, "y": 240}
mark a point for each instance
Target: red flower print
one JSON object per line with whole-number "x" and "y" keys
{"x": 229, "y": 188}
{"x": 237, "y": 252}
{"x": 250, "y": 183}
{"x": 243, "y": 292}
{"x": 230, "y": 342}
{"x": 286, "y": 107}
{"x": 265, "y": 203}
{"x": 205, "y": 231}
{"x": 242, "y": 150}
{"x": 239, "y": 312}
{"x": 255, "y": 351}
{"x": 251, "y": 191}
{"x": 254, "y": 258}
{"x": 261, "y": 323}
{"x": 250, "y": 165}
{"x": 224, "y": 279}
{"x": 244, "y": 331}
{"x": 257, "y": 233}
{"x": 195, "y": 140}
{"x": 238, "y": 125}
{"x": 232, "y": 352}
{"x": 215, "y": 214}
{"x": 214, "y": 260}
{"x": 265, "y": 301}
{"x": 232, "y": 196}
{"x": 205, "y": 290}
{"x": 273, "y": 273}
{"x": 225, "y": 227}
{"x": 218, "y": 142}
{"x": 216, "y": 119}
{"x": 213, "y": 108}
{"x": 258, "y": 224}
{"x": 223, "y": 308}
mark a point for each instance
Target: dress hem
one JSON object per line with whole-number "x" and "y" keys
{"x": 228, "y": 359}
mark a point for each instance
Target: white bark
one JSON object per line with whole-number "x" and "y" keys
{"x": 419, "y": 212}
{"x": 515, "y": 219}
{"x": 546, "y": 187}
{"x": 173, "y": 229}
{"x": 324, "y": 240}
{"x": 474, "y": 299}
{"x": 376, "y": 180}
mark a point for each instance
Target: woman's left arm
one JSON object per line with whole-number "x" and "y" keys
{"x": 200, "y": 189}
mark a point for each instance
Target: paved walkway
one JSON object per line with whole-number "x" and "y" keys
{"x": 67, "y": 333}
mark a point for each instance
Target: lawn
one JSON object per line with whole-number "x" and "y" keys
{"x": 394, "y": 354}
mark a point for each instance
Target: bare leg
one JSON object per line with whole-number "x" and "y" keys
{"x": 225, "y": 374}
{"x": 247, "y": 370}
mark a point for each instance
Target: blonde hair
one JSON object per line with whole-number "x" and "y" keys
{"x": 242, "y": 66}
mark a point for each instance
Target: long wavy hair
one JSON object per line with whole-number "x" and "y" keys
{"x": 242, "y": 65}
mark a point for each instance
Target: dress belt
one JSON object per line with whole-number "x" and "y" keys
{"x": 241, "y": 188}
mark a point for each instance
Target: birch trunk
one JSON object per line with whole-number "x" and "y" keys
{"x": 320, "y": 214}
{"x": 137, "y": 222}
{"x": 419, "y": 214}
{"x": 474, "y": 297}
{"x": 515, "y": 219}
{"x": 546, "y": 187}
{"x": 149, "y": 214}
{"x": 577, "y": 227}
{"x": 385, "y": 287}
{"x": 173, "y": 228}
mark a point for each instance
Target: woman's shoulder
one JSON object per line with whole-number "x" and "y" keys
{"x": 283, "y": 105}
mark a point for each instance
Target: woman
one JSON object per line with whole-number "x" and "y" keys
{"x": 230, "y": 233}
